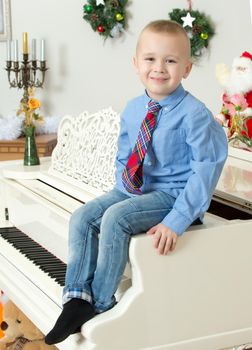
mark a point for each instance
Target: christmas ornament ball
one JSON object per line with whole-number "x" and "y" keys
{"x": 87, "y": 8}
{"x": 204, "y": 36}
{"x": 100, "y": 29}
{"x": 119, "y": 17}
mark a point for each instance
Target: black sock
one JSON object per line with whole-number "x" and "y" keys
{"x": 74, "y": 314}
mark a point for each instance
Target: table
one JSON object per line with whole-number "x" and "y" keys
{"x": 14, "y": 149}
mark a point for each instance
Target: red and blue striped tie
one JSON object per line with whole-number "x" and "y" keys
{"x": 132, "y": 176}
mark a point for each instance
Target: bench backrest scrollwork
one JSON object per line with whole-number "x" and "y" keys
{"x": 86, "y": 150}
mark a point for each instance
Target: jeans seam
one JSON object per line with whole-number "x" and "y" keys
{"x": 112, "y": 253}
{"x": 84, "y": 241}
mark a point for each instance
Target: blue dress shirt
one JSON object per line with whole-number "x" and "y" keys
{"x": 185, "y": 159}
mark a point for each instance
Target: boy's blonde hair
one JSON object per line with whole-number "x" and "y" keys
{"x": 169, "y": 27}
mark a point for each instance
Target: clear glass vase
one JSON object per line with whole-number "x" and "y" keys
{"x": 30, "y": 152}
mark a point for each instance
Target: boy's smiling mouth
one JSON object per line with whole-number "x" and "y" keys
{"x": 159, "y": 79}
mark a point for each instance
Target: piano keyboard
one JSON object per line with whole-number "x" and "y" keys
{"x": 33, "y": 260}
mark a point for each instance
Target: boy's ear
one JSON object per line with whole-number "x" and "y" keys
{"x": 188, "y": 70}
{"x": 135, "y": 63}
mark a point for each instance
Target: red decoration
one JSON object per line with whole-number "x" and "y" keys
{"x": 236, "y": 113}
{"x": 100, "y": 29}
{"x": 248, "y": 124}
{"x": 248, "y": 97}
{"x": 247, "y": 55}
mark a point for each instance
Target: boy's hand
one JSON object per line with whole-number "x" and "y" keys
{"x": 164, "y": 239}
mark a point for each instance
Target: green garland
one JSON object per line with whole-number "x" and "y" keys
{"x": 200, "y": 33}
{"x": 108, "y": 18}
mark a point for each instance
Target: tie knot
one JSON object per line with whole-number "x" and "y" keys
{"x": 153, "y": 107}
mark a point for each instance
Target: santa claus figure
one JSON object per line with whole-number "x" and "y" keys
{"x": 236, "y": 113}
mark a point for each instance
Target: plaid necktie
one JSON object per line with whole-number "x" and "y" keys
{"x": 132, "y": 176}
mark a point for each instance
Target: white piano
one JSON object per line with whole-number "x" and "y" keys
{"x": 199, "y": 297}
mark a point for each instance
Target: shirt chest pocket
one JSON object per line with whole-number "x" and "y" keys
{"x": 169, "y": 146}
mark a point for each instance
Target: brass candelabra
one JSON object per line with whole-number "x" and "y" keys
{"x": 27, "y": 73}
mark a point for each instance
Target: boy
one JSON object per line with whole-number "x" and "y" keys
{"x": 165, "y": 177}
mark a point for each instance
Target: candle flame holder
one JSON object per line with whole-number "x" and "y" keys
{"x": 24, "y": 74}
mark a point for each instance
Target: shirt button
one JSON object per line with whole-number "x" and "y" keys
{"x": 149, "y": 163}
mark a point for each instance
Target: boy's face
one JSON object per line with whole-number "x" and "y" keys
{"x": 162, "y": 61}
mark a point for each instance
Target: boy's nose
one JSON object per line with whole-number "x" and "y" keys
{"x": 159, "y": 67}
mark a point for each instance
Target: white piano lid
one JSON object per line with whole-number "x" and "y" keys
{"x": 16, "y": 169}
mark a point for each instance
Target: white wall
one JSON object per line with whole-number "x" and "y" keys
{"x": 88, "y": 74}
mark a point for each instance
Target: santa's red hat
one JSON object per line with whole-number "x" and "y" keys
{"x": 246, "y": 55}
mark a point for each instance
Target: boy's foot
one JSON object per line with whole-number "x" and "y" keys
{"x": 74, "y": 314}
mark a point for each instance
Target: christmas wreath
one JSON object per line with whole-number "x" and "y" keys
{"x": 107, "y": 17}
{"x": 197, "y": 26}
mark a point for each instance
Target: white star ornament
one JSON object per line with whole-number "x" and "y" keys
{"x": 188, "y": 20}
{"x": 99, "y": 2}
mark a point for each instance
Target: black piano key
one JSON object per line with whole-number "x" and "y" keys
{"x": 55, "y": 271}
{"x": 25, "y": 246}
{"x": 37, "y": 254}
{"x": 62, "y": 271}
{"x": 33, "y": 252}
{"x": 41, "y": 263}
{"x": 12, "y": 229}
{"x": 20, "y": 242}
{"x": 39, "y": 260}
{"x": 26, "y": 249}
{"x": 15, "y": 239}
{"x": 46, "y": 262}
{"x": 12, "y": 235}
{"x": 56, "y": 276}
{"x": 61, "y": 282}
{"x": 40, "y": 254}
{"x": 50, "y": 268}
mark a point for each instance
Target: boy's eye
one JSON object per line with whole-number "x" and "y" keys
{"x": 149, "y": 59}
{"x": 170, "y": 61}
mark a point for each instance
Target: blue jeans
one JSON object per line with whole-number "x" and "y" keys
{"x": 96, "y": 265}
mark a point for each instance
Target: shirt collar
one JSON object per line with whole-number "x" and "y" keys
{"x": 171, "y": 100}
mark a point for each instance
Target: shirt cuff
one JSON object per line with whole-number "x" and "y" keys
{"x": 176, "y": 222}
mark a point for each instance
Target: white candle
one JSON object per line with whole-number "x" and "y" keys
{"x": 15, "y": 50}
{"x": 42, "y": 50}
{"x": 8, "y": 46}
{"x": 34, "y": 50}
